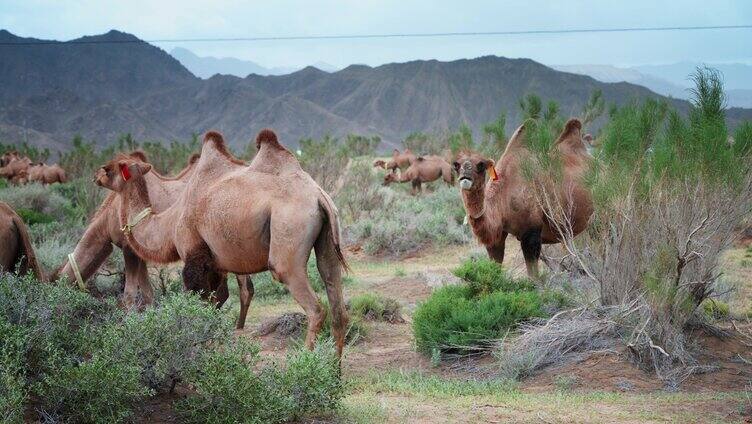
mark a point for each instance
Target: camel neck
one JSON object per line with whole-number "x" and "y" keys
{"x": 148, "y": 234}
{"x": 474, "y": 203}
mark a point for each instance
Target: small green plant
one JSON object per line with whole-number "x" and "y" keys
{"x": 484, "y": 276}
{"x": 375, "y": 307}
{"x": 31, "y": 217}
{"x": 399, "y": 272}
{"x": 715, "y": 309}
{"x": 566, "y": 382}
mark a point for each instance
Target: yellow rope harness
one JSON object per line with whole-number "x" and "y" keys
{"x": 127, "y": 228}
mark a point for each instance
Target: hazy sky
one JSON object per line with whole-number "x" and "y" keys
{"x": 64, "y": 20}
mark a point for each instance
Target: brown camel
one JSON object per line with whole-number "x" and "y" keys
{"x": 423, "y": 169}
{"x": 399, "y": 161}
{"x": 507, "y": 203}
{"x": 46, "y": 174}
{"x": 16, "y": 251}
{"x": 104, "y": 231}
{"x": 14, "y": 164}
{"x": 267, "y": 216}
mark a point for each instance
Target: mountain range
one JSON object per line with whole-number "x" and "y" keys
{"x": 106, "y": 85}
{"x": 673, "y": 80}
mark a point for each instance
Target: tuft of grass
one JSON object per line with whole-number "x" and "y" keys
{"x": 374, "y": 307}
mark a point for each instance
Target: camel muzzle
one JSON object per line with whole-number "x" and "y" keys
{"x": 465, "y": 183}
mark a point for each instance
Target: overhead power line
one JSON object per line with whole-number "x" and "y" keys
{"x": 372, "y": 36}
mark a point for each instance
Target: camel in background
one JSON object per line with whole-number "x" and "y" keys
{"x": 46, "y": 174}
{"x": 267, "y": 216}
{"x": 423, "y": 169}
{"x": 16, "y": 251}
{"x": 20, "y": 170}
{"x": 399, "y": 161}
{"x": 507, "y": 204}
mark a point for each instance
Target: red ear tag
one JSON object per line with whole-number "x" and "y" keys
{"x": 494, "y": 176}
{"x": 125, "y": 172}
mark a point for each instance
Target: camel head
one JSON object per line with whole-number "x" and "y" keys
{"x": 379, "y": 164}
{"x": 471, "y": 169}
{"x": 8, "y": 157}
{"x": 389, "y": 178}
{"x": 115, "y": 174}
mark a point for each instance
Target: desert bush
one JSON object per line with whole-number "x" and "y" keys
{"x": 669, "y": 193}
{"x": 454, "y": 320}
{"x": 411, "y": 222}
{"x": 37, "y": 202}
{"x": 74, "y": 358}
{"x": 170, "y": 338}
{"x": 229, "y": 387}
{"x": 484, "y": 276}
{"x": 375, "y": 307}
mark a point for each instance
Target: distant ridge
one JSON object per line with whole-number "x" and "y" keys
{"x": 51, "y": 92}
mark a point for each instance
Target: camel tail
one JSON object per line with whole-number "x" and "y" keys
{"x": 28, "y": 251}
{"x": 327, "y": 205}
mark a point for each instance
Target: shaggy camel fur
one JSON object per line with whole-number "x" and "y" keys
{"x": 46, "y": 174}
{"x": 104, "y": 231}
{"x": 16, "y": 251}
{"x": 423, "y": 169}
{"x": 265, "y": 217}
{"x": 507, "y": 204}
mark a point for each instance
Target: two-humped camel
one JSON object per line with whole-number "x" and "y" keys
{"x": 105, "y": 230}
{"x": 399, "y": 161}
{"x": 507, "y": 204}
{"x": 423, "y": 169}
{"x": 19, "y": 170}
{"x": 267, "y": 216}
{"x": 16, "y": 251}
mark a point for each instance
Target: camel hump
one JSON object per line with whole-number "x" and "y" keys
{"x": 215, "y": 137}
{"x": 572, "y": 128}
{"x": 138, "y": 154}
{"x": 267, "y": 136}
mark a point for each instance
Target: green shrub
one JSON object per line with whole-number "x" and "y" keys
{"x": 373, "y": 306}
{"x": 97, "y": 390}
{"x": 715, "y": 309}
{"x": 43, "y": 200}
{"x": 31, "y": 217}
{"x": 170, "y": 337}
{"x": 228, "y": 388}
{"x": 409, "y": 223}
{"x": 485, "y": 275}
{"x": 13, "y": 388}
{"x": 456, "y": 320}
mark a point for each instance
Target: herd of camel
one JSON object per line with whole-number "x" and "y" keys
{"x": 221, "y": 215}
{"x": 20, "y": 170}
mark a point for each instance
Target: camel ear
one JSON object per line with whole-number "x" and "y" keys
{"x": 572, "y": 132}
{"x": 143, "y": 168}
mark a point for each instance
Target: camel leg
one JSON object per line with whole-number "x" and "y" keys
{"x": 296, "y": 280}
{"x": 218, "y": 285}
{"x": 198, "y": 273}
{"x": 531, "y": 250}
{"x": 496, "y": 251}
{"x": 245, "y": 291}
{"x": 330, "y": 269}
{"x": 136, "y": 276}
{"x": 416, "y": 187}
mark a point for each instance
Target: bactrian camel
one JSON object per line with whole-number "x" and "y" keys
{"x": 423, "y": 169}
{"x": 507, "y": 203}
{"x": 267, "y": 216}
{"x": 105, "y": 230}
{"x": 16, "y": 251}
